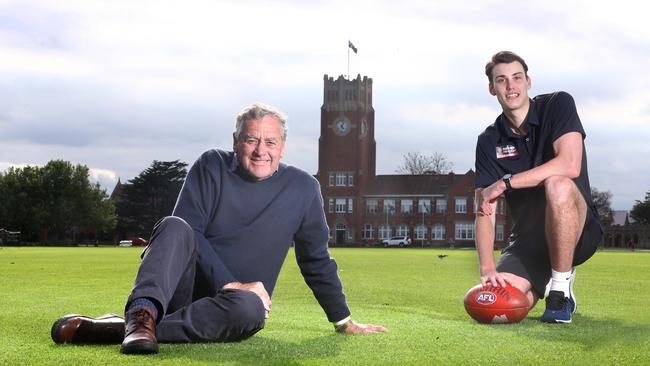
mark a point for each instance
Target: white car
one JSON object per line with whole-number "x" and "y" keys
{"x": 126, "y": 243}
{"x": 397, "y": 241}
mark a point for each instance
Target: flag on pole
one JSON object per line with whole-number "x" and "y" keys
{"x": 352, "y": 46}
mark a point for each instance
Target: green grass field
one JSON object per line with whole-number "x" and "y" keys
{"x": 418, "y": 296}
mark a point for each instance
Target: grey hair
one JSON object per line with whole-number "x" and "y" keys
{"x": 259, "y": 111}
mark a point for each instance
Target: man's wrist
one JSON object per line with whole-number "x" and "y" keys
{"x": 507, "y": 183}
{"x": 343, "y": 324}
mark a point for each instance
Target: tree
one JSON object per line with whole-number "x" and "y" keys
{"x": 641, "y": 210}
{"x": 602, "y": 201}
{"x": 150, "y": 196}
{"x": 416, "y": 163}
{"x": 56, "y": 199}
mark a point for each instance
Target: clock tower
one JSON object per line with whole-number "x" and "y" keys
{"x": 346, "y": 153}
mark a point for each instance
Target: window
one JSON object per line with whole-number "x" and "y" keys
{"x": 441, "y": 205}
{"x": 340, "y": 205}
{"x": 424, "y": 206}
{"x": 499, "y": 234}
{"x": 407, "y": 206}
{"x": 438, "y": 232}
{"x": 389, "y": 206}
{"x": 384, "y": 231}
{"x": 371, "y": 206}
{"x": 349, "y": 205}
{"x": 461, "y": 204}
{"x": 331, "y": 179}
{"x": 351, "y": 180}
{"x": 501, "y": 206}
{"x": 350, "y": 234}
{"x": 340, "y": 179}
{"x": 465, "y": 231}
{"x": 367, "y": 231}
{"x": 402, "y": 230}
{"x": 420, "y": 232}
{"x": 331, "y": 205}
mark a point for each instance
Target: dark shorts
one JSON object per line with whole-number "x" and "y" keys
{"x": 527, "y": 255}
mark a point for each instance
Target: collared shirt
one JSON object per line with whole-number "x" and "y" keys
{"x": 500, "y": 151}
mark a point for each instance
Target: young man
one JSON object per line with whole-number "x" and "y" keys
{"x": 534, "y": 154}
{"x": 210, "y": 269}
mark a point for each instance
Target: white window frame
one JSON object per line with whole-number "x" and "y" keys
{"x": 340, "y": 205}
{"x": 367, "y": 231}
{"x": 372, "y": 206}
{"x": 424, "y": 206}
{"x": 441, "y": 206}
{"x": 389, "y": 206}
{"x": 438, "y": 232}
{"x": 331, "y": 180}
{"x": 350, "y": 200}
{"x": 384, "y": 231}
{"x": 499, "y": 232}
{"x": 461, "y": 204}
{"x": 464, "y": 231}
{"x": 420, "y": 232}
{"x": 402, "y": 230}
{"x": 341, "y": 179}
{"x": 406, "y": 206}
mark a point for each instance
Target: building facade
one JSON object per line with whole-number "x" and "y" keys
{"x": 363, "y": 208}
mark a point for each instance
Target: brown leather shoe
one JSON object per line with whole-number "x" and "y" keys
{"x": 79, "y": 329}
{"x": 140, "y": 335}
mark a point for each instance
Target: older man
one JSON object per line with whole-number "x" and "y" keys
{"x": 210, "y": 269}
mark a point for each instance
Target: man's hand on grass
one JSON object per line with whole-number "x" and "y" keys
{"x": 352, "y": 327}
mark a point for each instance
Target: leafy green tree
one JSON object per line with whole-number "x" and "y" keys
{"x": 603, "y": 202}
{"x": 150, "y": 196}
{"x": 641, "y": 210}
{"x": 57, "y": 199}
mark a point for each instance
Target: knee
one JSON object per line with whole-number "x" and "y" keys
{"x": 175, "y": 228}
{"x": 559, "y": 189}
{"x": 248, "y": 308}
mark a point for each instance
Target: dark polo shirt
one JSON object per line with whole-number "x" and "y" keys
{"x": 500, "y": 151}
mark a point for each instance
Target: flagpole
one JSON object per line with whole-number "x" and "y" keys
{"x": 348, "y": 60}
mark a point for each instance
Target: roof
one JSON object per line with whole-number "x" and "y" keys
{"x": 622, "y": 218}
{"x": 413, "y": 185}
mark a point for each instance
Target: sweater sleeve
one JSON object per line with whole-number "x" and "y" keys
{"x": 317, "y": 267}
{"x": 195, "y": 204}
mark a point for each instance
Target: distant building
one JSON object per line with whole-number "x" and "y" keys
{"x": 625, "y": 232}
{"x": 364, "y": 208}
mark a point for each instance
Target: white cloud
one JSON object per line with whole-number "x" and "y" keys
{"x": 115, "y": 85}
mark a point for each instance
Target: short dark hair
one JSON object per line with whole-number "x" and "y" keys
{"x": 504, "y": 57}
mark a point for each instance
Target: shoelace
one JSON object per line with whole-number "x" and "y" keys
{"x": 140, "y": 316}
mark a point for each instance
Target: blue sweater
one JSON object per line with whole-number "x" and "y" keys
{"x": 244, "y": 228}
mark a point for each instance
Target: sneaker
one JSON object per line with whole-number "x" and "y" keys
{"x": 572, "y": 297}
{"x": 558, "y": 308}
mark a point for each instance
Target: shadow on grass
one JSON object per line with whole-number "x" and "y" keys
{"x": 257, "y": 350}
{"x": 590, "y": 333}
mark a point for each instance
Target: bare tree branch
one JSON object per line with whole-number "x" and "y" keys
{"x": 416, "y": 163}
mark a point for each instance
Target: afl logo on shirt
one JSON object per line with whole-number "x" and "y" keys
{"x": 507, "y": 151}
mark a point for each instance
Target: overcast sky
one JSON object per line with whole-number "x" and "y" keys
{"x": 115, "y": 85}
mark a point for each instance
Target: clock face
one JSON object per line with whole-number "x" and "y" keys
{"x": 341, "y": 127}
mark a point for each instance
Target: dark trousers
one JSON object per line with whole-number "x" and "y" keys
{"x": 167, "y": 275}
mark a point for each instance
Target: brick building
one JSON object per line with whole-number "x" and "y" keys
{"x": 364, "y": 208}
